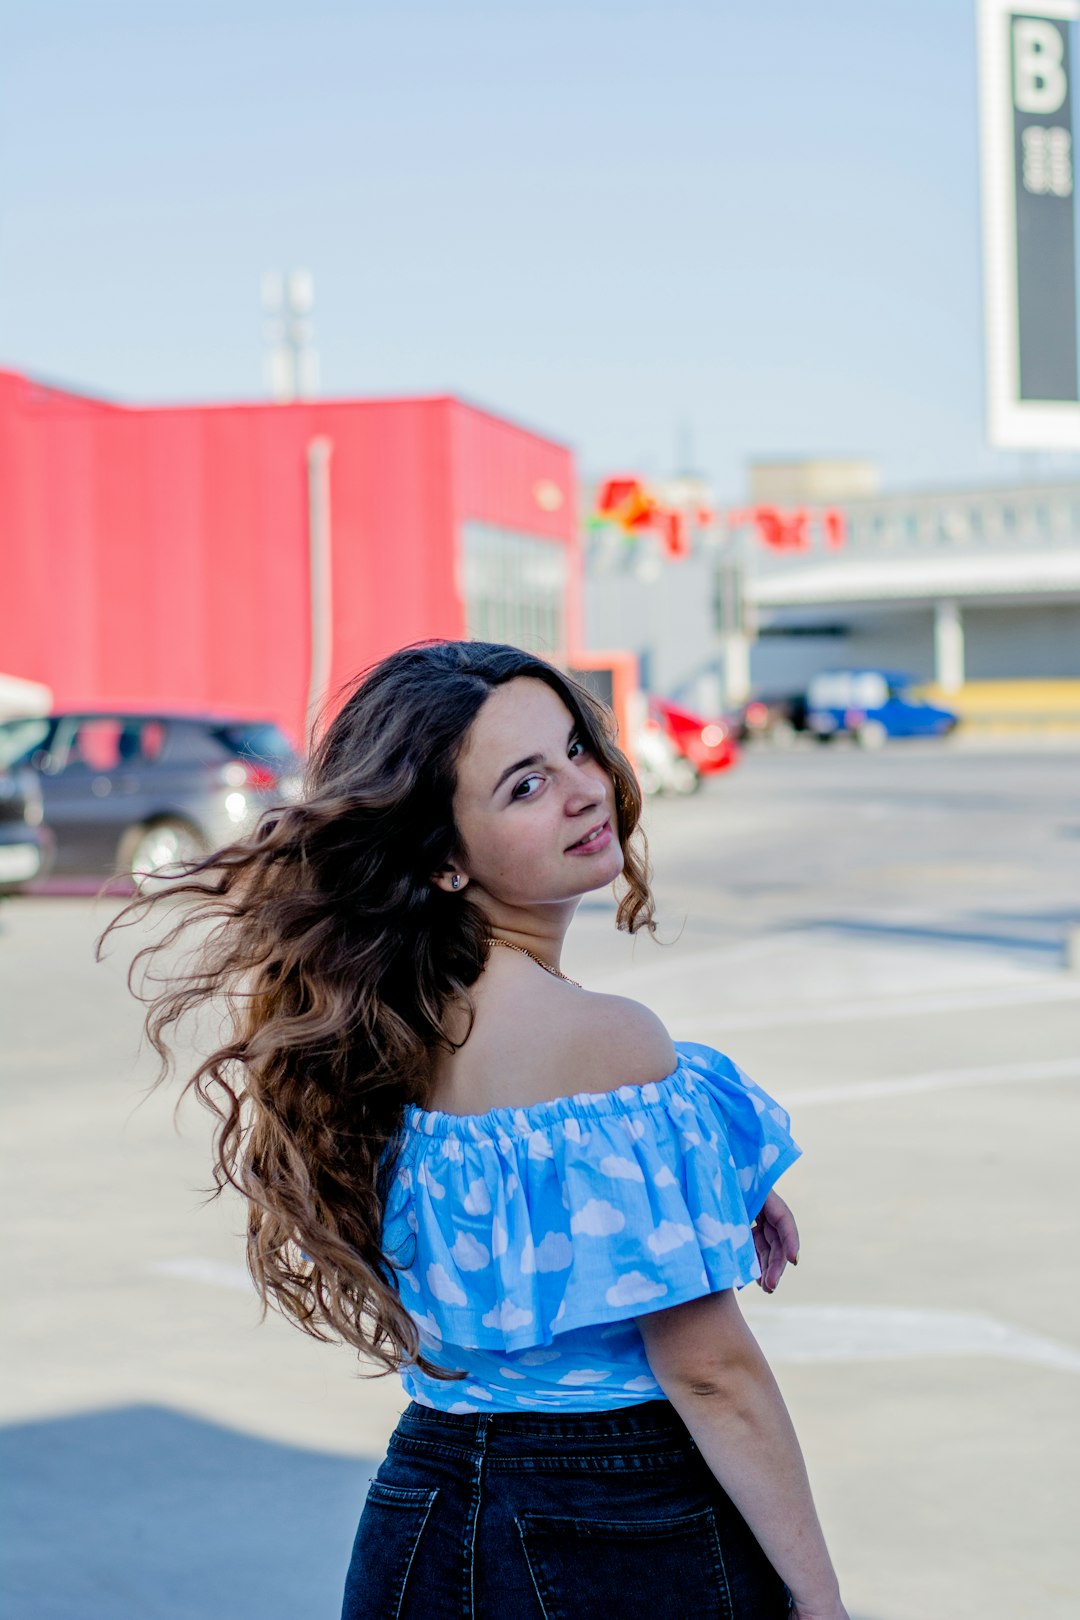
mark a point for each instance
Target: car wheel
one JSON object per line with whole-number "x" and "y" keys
{"x": 148, "y": 852}
{"x": 871, "y": 734}
{"x": 649, "y": 780}
{"x": 685, "y": 776}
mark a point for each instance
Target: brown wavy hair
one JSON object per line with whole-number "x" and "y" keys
{"x": 337, "y": 963}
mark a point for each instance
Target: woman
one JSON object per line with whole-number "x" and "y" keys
{"x": 519, "y": 1194}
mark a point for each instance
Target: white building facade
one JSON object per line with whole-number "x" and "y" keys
{"x": 952, "y": 586}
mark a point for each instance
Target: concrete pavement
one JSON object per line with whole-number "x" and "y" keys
{"x": 878, "y": 940}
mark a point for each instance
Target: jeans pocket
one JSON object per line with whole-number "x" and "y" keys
{"x": 635, "y": 1569}
{"x": 387, "y": 1537}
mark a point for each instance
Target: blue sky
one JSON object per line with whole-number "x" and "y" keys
{"x": 754, "y": 226}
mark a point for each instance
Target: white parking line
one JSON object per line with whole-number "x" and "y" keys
{"x": 995, "y": 1074}
{"x": 869, "y": 1009}
{"x": 805, "y": 1333}
{"x": 216, "y": 1273}
{"x": 877, "y": 1333}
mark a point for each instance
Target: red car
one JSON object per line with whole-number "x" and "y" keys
{"x": 708, "y": 745}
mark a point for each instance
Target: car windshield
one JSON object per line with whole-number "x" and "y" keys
{"x": 20, "y": 738}
{"x": 258, "y": 740}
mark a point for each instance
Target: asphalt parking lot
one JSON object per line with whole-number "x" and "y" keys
{"x": 879, "y": 940}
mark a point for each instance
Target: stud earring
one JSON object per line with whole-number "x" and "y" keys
{"x": 455, "y": 881}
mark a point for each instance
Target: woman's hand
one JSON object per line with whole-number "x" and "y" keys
{"x": 776, "y": 1239}
{"x": 829, "y": 1611}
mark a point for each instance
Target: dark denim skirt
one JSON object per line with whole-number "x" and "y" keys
{"x": 578, "y": 1517}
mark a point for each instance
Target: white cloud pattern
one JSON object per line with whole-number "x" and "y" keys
{"x": 528, "y": 1226}
{"x": 469, "y": 1254}
{"x": 597, "y": 1218}
{"x": 634, "y": 1289}
{"x": 507, "y": 1317}
{"x": 443, "y": 1286}
{"x": 428, "y": 1326}
{"x": 710, "y": 1231}
{"x": 425, "y": 1177}
{"x": 620, "y": 1169}
{"x": 477, "y": 1200}
{"x": 669, "y": 1235}
{"x": 554, "y": 1252}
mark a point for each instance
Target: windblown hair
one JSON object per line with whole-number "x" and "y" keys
{"x": 337, "y": 964}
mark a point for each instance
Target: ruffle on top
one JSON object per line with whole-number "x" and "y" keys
{"x": 517, "y": 1225}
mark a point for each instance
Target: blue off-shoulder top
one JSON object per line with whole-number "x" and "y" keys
{"x": 527, "y": 1240}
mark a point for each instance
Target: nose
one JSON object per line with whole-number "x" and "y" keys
{"x": 586, "y": 787}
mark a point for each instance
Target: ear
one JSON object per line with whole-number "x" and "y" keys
{"x": 449, "y": 880}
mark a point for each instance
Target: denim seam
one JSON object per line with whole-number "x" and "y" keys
{"x": 474, "y": 1507}
{"x": 408, "y": 1567}
{"x": 432, "y": 1448}
{"x": 724, "y": 1584}
{"x": 621, "y": 1463}
{"x": 528, "y": 1564}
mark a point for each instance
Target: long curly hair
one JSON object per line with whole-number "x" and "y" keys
{"x": 337, "y": 962}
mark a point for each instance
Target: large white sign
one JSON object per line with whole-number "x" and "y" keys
{"x": 1029, "y": 223}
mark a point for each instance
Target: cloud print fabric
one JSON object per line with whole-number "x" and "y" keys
{"x": 528, "y": 1239}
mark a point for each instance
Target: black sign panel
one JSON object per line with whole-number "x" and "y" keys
{"x": 1045, "y": 225}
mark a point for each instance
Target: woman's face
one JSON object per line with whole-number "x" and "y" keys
{"x": 535, "y": 810}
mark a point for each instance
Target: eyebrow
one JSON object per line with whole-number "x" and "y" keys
{"x": 533, "y": 759}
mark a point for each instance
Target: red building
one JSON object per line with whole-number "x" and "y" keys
{"x": 255, "y": 557}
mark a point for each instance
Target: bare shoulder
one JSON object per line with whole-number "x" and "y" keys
{"x": 533, "y": 1039}
{"x": 628, "y": 1044}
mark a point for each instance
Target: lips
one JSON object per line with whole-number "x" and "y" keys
{"x": 597, "y": 837}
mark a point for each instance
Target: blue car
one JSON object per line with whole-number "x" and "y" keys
{"x": 872, "y": 705}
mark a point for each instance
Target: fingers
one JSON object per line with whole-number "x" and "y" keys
{"x": 777, "y": 1260}
{"x": 779, "y": 1215}
{"x": 770, "y": 1253}
{"x": 761, "y": 1247}
{"x": 776, "y": 1241}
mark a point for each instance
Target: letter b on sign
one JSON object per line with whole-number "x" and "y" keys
{"x": 1039, "y": 81}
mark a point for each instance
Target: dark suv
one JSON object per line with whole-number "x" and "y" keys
{"x": 25, "y": 844}
{"x": 131, "y": 793}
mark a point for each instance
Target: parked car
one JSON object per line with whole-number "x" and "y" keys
{"x": 707, "y": 746}
{"x": 133, "y": 792}
{"x": 25, "y": 843}
{"x": 773, "y": 716}
{"x": 660, "y": 766}
{"x": 872, "y": 705}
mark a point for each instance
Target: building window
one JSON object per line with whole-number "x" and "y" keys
{"x": 515, "y": 587}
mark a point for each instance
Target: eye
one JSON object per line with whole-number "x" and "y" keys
{"x": 577, "y": 748}
{"x": 524, "y": 783}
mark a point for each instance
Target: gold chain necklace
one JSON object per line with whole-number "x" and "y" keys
{"x": 510, "y": 946}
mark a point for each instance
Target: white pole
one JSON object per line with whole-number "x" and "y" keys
{"x": 319, "y": 452}
{"x": 948, "y": 646}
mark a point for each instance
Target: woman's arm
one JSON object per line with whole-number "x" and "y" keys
{"x": 711, "y": 1369}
